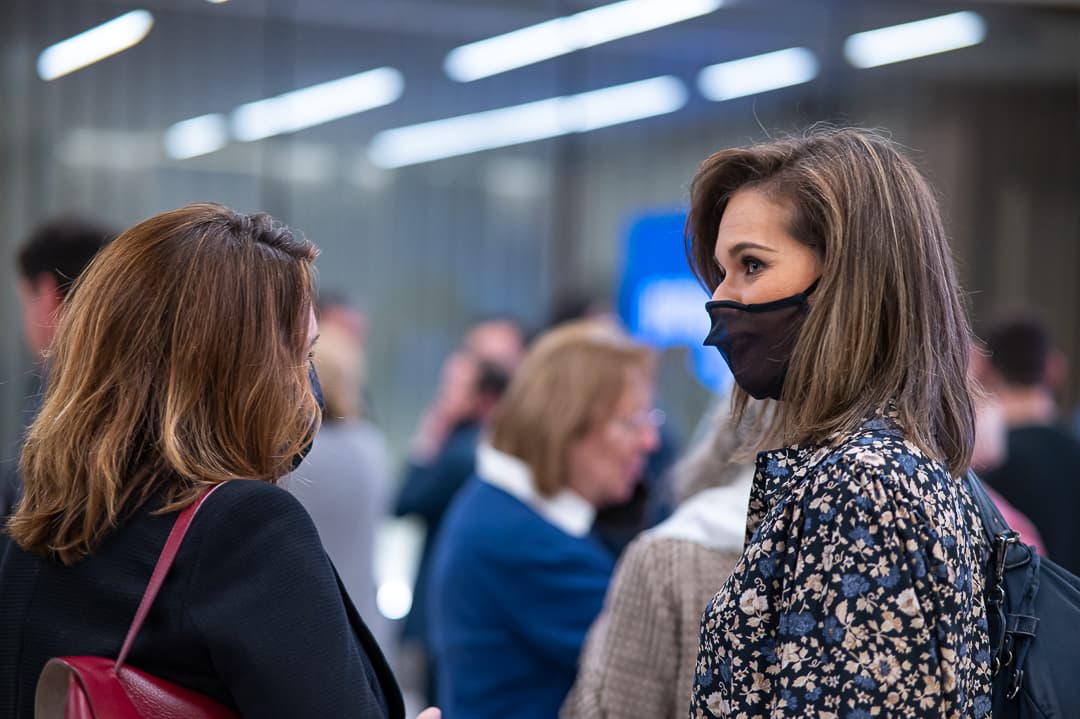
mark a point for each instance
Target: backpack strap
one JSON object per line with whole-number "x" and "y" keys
{"x": 993, "y": 522}
{"x": 1011, "y": 620}
{"x": 161, "y": 569}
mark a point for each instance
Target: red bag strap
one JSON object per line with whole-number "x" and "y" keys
{"x": 161, "y": 569}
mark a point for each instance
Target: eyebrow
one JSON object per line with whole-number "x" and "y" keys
{"x": 742, "y": 246}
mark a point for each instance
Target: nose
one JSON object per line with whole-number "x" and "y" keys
{"x": 650, "y": 438}
{"x": 725, "y": 291}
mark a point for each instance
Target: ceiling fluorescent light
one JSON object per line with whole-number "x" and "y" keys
{"x": 197, "y": 136}
{"x": 94, "y": 44}
{"x": 317, "y": 104}
{"x": 525, "y": 123}
{"x": 563, "y": 35}
{"x": 914, "y": 39}
{"x": 760, "y": 73}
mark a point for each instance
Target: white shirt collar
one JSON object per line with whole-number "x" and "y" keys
{"x": 567, "y": 510}
{"x": 714, "y": 518}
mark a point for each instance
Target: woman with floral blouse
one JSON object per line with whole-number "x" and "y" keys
{"x": 860, "y": 592}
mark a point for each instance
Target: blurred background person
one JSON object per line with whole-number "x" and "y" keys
{"x": 344, "y": 482}
{"x": 639, "y": 657}
{"x": 442, "y": 456}
{"x": 653, "y": 498}
{"x": 518, "y": 576}
{"x": 51, "y": 259}
{"x": 1039, "y": 473}
{"x": 991, "y": 435}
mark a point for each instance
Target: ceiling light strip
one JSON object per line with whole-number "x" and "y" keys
{"x": 563, "y": 35}
{"x": 93, "y": 45}
{"x": 915, "y": 39}
{"x": 532, "y": 121}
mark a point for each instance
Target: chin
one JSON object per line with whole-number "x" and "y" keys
{"x": 626, "y": 493}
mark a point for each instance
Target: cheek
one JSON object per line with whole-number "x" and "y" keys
{"x": 596, "y": 455}
{"x": 617, "y": 454}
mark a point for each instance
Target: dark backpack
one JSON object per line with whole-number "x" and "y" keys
{"x": 1033, "y": 610}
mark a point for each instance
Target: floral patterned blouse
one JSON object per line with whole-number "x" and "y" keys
{"x": 859, "y": 593}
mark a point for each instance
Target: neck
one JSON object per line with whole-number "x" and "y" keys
{"x": 582, "y": 489}
{"x": 1026, "y": 406}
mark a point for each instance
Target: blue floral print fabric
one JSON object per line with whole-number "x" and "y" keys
{"x": 859, "y": 593}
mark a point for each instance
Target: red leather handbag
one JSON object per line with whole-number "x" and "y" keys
{"x": 100, "y": 688}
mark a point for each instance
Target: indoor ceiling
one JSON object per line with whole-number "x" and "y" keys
{"x": 204, "y": 57}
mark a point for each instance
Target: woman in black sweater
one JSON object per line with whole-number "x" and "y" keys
{"x": 181, "y": 363}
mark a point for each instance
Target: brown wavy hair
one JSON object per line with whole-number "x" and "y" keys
{"x": 179, "y": 364}
{"x": 888, "y": 323}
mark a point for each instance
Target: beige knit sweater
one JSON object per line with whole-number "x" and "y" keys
{"x": 638, "y": 660}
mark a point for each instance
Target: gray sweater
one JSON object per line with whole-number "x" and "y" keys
{"x": 344, "y": 483}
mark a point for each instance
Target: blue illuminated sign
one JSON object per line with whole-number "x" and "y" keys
{"x": 660, "y": 300}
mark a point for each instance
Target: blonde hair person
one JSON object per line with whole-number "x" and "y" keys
{"x": 517, "y": 578}
{"x": 182, "y": 363}
{"x": 639, "y": 657}
{"x": 860, "y": 590}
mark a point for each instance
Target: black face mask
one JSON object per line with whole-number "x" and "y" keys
{"x": 757, "y": 340}
{"x": 316, "y": 389}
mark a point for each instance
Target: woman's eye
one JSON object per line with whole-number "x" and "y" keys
{"x": 752, "y": 266}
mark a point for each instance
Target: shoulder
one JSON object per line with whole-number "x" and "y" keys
{"x": 1049, "y": 438}
{"x": 487, "y": 524}
{"x": 653, "y": 564}
{"x": 877, "y": 477}
{"x": 878, "y": 455}
{"x": 480, "y": 507}
{"x": 672, "y": 561}
{"x": 249, "y": 505}
{"x": 481, "y": 514}
{"x": 877, "y": 481}
{"x": 646, "y": 555}
{"x": 259, "y": 495}
{"x": 249, "y": 528}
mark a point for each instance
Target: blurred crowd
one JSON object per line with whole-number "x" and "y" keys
{"x": 571, "y": 540}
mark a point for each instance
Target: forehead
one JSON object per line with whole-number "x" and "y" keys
{"x": 753, "y": 216}
{"x": 637, "y": 384}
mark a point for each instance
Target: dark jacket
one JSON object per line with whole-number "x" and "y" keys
{"x": 1041, "y": 477}
{"x": 512, "y": 597}
{"x": 426, "y": 492}
{"x": 251, "y": 614}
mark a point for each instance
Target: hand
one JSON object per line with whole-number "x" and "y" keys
{"x": 430, "y": 713}
{"x": 454, "y": 402}
{"x": 454, "y": 397}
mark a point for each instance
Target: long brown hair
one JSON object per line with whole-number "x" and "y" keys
{"x": 569, "y": 383}
{"x": 178, "y": 364}
{"x": 887, "y": 324}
